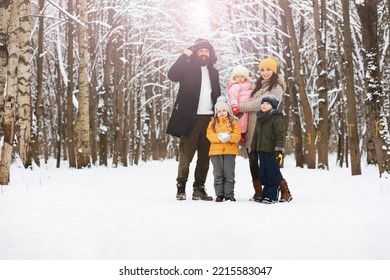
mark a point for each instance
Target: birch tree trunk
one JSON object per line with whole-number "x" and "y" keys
{"x": 82, "y": 124}
{"x": 24, "y": 96}
{"x": 377, "y": 123}
{"x": 10, "y": 98}
{"x": 351, "y": 97}
{"x": 4, "y": 22}
{"x": 310, "y": 151}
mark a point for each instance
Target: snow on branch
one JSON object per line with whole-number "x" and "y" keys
{"x": 66, "y": 13}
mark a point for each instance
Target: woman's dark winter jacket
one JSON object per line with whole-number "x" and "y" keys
{"x": 186, "y": 70}
{"x": 269, "y": 133}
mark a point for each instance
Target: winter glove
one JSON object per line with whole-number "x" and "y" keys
{"x": 279, "y": 158}
{"x": 235, "y": 109}
{"x": 192, "y": 48}
{"x": 224, "y": 137}
{"x": 239, "y": 115}
{"x": 188, "y": 52}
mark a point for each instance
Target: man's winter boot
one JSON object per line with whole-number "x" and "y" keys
{"x": 200, "y": 193}
{"x": 181, "y": 191}
{"x": 285, "y": 195}
{"x": 258, "y": 190}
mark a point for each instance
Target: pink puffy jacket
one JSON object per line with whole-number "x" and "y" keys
{"x": 240, "y": 93}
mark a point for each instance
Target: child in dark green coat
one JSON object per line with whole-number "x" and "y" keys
{"x": 268, "y": 141}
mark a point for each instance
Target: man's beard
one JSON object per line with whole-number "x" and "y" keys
{"x": 204, "y": 60}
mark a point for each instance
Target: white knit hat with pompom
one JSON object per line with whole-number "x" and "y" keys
{"x": 221, "y": 104}
{"x": 239, "y": 70}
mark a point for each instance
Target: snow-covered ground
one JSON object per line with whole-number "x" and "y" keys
{"x": 131, "y": 213}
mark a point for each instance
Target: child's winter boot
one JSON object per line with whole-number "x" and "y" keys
{"x": 285, "y": 195}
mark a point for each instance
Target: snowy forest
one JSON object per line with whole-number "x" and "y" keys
{"x": 85, "y": 82}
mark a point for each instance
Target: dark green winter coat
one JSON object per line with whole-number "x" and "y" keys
{"x": 270, "y": 132}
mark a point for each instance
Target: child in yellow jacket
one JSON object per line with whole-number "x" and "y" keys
{"x": 223, "y": 133}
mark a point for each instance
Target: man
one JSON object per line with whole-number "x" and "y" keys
{"x": 199, "y": 89}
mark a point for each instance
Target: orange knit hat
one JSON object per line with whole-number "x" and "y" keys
{"x": 271, "y": 63}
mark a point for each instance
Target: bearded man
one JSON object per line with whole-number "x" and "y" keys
{"x": 199, "y": 89}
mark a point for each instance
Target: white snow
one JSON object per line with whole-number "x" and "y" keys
{"x": 132, "y": 213}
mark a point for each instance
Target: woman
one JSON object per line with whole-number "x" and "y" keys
{"x": 269, "y": 83}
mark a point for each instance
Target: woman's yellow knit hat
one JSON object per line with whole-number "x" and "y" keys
{"x": 271, "y": 63}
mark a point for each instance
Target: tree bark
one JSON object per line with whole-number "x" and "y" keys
{"x": 103, "y": 109}
{"x": 351, "y": 97}
{"x": 310, "y": 151}
{"x": 322, "y": 72}
{"x": 118, "y": 103}
{"x": 82, "y": 124}
{"x": 292, "y": 94}
{"x": 70, "y": 141}
{"x": 24, "y": 96}
{"x": 59, "y": 95}
{"x": 125, "y": 115}
{"x": 377, "y": 122}
{"x": 340, "y": 122}
{"x": 35, "y": 141}
{"x": 12, "y": 89}
{"x": 4, "y": 22}
{"x": 93, "y": 35}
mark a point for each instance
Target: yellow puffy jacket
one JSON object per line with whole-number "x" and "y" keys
{"x": 219, "y": 148}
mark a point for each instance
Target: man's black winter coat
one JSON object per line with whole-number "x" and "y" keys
{"x": 186, "y": 70}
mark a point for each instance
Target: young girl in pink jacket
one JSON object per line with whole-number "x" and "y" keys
{"x": 240, "y": 88}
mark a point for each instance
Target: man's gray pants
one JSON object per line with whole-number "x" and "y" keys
{"x": 224, "y": 166}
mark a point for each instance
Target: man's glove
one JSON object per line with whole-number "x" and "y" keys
{"x": 235, "y": 109}
{"x": 192, "y": 48}
{"x": 224, "y": 137}
{"x": 188, "y": 52}
{"x": 279, "y": 158}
